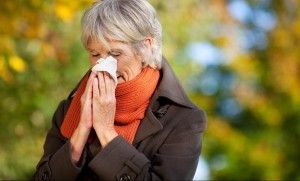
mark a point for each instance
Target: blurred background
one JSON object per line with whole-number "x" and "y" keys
{"x": 238, "y": 60}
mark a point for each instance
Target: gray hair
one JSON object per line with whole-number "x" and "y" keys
{"x": 129, "y": 21}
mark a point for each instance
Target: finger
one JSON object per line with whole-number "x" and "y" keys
{"x": 91, "y": 78}
{"x": 110, "y": 85}
{"x": 95, "y": 88}
{"x": 102, "y": 85}
{"x": 87, "y": 95}
{"x": 89, "y": 83}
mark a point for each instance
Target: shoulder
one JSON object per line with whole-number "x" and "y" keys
{"x": 181, "y": 112}
{"x": 191, "y": 118}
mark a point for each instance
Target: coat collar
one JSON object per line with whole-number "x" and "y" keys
{"x": 170, "y": 88}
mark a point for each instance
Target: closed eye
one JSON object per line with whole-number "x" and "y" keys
{"x": 95, "y": 55}
{"x": 114, "y": 54}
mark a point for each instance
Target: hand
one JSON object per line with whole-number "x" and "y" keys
{"x": 85, "y": 122}
{"x": 81, "y": 133}
{"x": 104, "y": 107}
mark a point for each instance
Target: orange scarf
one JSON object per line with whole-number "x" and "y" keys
{"x": 132, "y": 100}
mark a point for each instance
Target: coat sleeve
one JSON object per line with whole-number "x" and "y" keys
{"x": 56, "y": 163}
{"x": 176, "y": 158}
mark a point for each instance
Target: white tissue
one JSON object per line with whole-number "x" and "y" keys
{"x": 108, "y": 65}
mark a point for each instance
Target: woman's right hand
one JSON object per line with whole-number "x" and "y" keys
{"x": 81, "y": 133}
{"x": 86, "y": 123}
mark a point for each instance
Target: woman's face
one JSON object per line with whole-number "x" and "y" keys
{"x": 129, "y": 63}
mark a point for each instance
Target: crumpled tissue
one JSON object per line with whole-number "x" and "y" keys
{"x": 109, "y": 65}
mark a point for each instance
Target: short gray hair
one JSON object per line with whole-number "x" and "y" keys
{"x": 129, "y": 21}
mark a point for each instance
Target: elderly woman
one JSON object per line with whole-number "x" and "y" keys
{"x": 139, "y": 126}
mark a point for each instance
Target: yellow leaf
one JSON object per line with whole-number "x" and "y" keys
{"x": 17, "y": 63}
{"x": 64, "y": 12}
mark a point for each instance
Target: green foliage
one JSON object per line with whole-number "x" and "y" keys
{"x": 253, "y": 108}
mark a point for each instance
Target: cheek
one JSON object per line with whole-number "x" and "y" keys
{"x": 92, "y": 61}
{"x": 119, "y": 66}
{"x": 122, "y": 64}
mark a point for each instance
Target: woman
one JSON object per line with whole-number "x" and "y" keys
{"x": 143, "y": 128}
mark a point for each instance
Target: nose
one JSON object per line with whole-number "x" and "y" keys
{"x": 99, "y": 58}
{"x": 104, "y": 56}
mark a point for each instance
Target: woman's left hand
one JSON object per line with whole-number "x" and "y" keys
{"x": 104, "y": 107}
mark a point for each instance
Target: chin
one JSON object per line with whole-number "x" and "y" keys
{"x": 120, "y": 80}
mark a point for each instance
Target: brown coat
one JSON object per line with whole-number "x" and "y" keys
{"x": 166, "y": 147}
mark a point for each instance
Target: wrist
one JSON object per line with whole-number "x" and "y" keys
{"x": 77, "y": 143}
{"x": 106, "y": 135}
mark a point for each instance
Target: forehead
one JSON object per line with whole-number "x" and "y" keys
{"x": 112, "y": 44}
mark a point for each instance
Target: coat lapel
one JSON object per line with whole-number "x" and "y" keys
{"x": 169, "y": 87}
{"x": 149, "y": 125}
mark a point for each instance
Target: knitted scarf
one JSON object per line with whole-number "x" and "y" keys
{"x": 132, "y": 100}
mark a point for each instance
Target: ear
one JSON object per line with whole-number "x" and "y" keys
{"x": 149, "y": 41}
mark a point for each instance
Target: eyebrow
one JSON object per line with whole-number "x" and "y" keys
{"x": 116, "y": 50}
{"x": 111, "y": 50}
{"x": 90, "y": 50}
